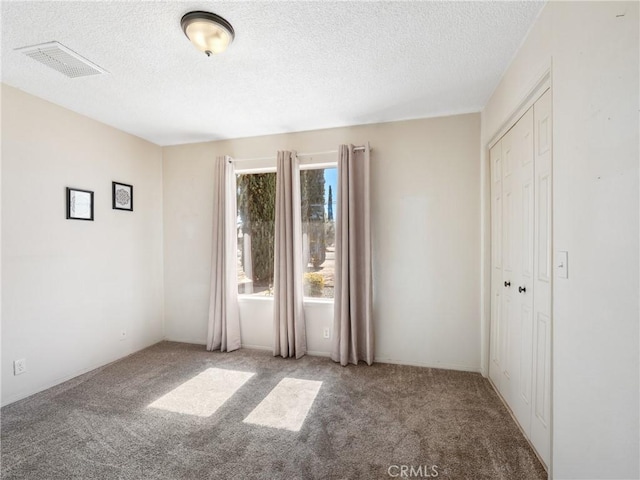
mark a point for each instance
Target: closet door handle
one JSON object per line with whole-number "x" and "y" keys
{"x": 522, "y": 289}
{"x": 507, "y": 284}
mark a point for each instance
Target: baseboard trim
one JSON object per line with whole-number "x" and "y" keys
{"x": 317, "y": 353}
{"x": 22, "y": 395}
{"x": 311, "y": 353}
{"x": 191, "y": 341}
{"x": 442, "y": 366}
{"x": 256, "y": 347}
{"x": 248, "y": 346}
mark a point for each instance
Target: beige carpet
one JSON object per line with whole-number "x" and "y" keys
{"x": 175, "y": 411}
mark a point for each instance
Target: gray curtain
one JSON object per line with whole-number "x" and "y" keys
{"x": 289, "y": 326}
{"x": 224, "y": 319}
{"x": 352, "y": 323}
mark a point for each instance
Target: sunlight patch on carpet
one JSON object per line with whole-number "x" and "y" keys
{"x": 287, "y": 405}
{"x": 203, "y": 394}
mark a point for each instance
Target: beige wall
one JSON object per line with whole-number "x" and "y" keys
{"x": 593, "y": 49}
{"x": 426, "y": 229}
{"x": 70, "y": 287}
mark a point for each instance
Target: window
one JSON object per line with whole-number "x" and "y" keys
{"x": 317, "y": 188}
{"x": 256, "y": 194}
{"x": 256, "y": 204}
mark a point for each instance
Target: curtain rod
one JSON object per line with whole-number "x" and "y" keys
{"x": 357, "y": 148}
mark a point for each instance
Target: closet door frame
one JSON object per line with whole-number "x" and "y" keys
{"x": 539, "y": 88}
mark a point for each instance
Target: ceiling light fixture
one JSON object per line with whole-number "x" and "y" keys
{"x": 207, "y": 31}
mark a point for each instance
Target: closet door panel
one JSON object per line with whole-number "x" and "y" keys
{"x": 510, "y": 251}
{"x": 495, "y": 339}
{"x": 521, "y": 318}
{"x": 540, "y": 418}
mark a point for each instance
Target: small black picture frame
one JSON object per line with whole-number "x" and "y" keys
{"x": 122, "y": 196}
{"x": 79, "y": 204}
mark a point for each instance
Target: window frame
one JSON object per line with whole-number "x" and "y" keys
{"x": 267, "y": 165}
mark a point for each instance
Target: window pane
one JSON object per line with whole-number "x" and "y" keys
{"x": 256, "y": 203}
{"x": 318, "y": 192}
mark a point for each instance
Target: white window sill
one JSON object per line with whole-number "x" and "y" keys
{"x": 264, "y": 298}
{"x": 257, "y": 298}
{"x": 317, "y": 301}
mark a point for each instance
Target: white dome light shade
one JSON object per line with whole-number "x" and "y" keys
{"x": 207, "y": 31}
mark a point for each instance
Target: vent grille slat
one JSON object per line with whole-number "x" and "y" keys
{"x": 60, "y": 58}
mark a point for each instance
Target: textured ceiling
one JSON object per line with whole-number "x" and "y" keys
{"x": 293, "y": 65}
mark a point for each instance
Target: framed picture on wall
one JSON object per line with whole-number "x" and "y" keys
{"x": 122, "y": 196}
{"x": 79, "y": 204}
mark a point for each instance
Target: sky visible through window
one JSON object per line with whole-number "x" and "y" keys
{"x": 331, "y": 179}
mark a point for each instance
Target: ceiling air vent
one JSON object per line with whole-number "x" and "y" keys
{"x": 62, "y": 59}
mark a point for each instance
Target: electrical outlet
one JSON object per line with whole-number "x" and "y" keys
{"x": 325, "y": 332}
{"x": 19, "y": 366}
{"x": 123, "y": 334}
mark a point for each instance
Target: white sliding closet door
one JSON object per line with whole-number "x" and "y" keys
{"x": 521, "y": 265}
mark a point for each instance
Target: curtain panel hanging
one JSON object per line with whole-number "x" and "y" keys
{"x": 223, "y": 331}
{"x": 289, "y": 323}
{"x": 353, "y": 324}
